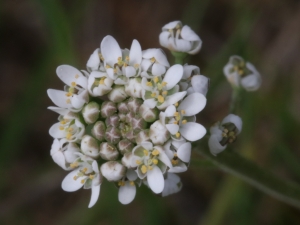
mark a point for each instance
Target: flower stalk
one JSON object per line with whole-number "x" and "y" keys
{"x": 254, "y": 175}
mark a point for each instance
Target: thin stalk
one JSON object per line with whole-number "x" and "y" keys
{"x": 256, "y": 176}
{"x": 179, "y": 57}
{"x": 235, "y": 100}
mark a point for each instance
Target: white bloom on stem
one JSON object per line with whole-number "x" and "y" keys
{"x": 151, "y": 162}
{"x": 180, "y": 38}
{"x": 113, "y": 170}
{"x": 118, "y": 63}
{"x": 242, "y": 74}
{"x": 87, "y": 174}
{"x": 76, "y": 94}
{"x": 180, "y": 121}
{"x": 154, "y": 63}
{"x": 192, "y": 81}
{"x": 163, "y": 92}
{"x": 172, "y": 184}
{"x": 99, "y": 83}
{"x": 127, "y": 189}
{"x": 64, "y": 153}
{"x": 224, "y": 133}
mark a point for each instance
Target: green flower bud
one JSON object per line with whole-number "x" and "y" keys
{"x": 108, "y": 109}
{"x": 125, "y": 146}
{"x": 142, "y": 136}
{"x": 113, "y": 170}
{"x": 89, "y": 146}
{"x": 134, "y": 104}
{"x": 113, "y": 135}
{"x": 98, "y": 130}
{"x": 108, "y": 151}
{"x": 117, "y": 94}
{"x": 149, "y": 115}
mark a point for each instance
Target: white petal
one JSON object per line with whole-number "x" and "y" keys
{"x": 151, "y": 103}
{"x": 200, "y": 84}
{"x": 58, "y": 110}
{"x": 127, "y": 193}
{"x": 58, "y": 97}
{"x": 172, "y": 185}
{"x": 172, "y": 99}
{"x": 59, "y": 158}
{"x": 179, "y": 168}
{"x": 135, "y": 55}
{"x": 164, "y": 38}
{"x": 173, "y": 76}
{"x": 193, "y": 104}
{"x": 170, "y": 111}
{"x": 147, "y": 145}
{"x": 55, "y": 132}
{"x": 94, "y": 60}
{"x": 171, "y": 25}
{"x": 158, "y": 69}
{"x": 146, "y": 63}
{"x": 161, "y": 57}
{"x": 110, "y": 50}
{"x": 189, "y": 69}
{"x": 164, "y": 158}
{"x": 69, "y": 184}
{"x": 236, "y": 120}
{"x": 214, "y": 145}
{"x": 131, "y": 175}
{"x": 130, "y": 71}
{"x": 251, "y": 82}
{"x": 149, "y": 53}
{"x": 95, "y": 195}
{"x": 184, "y": 152}
{"x": 155, "y": 180}
{"x": 192, "y": 131}
{"x": 68, "y": 75}
{"x": 172, "y": 128}
{"x": 188, "y": 34}
{"x": 183, "y": 45}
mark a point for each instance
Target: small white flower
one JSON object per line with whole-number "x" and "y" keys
{"x": 64, "y": 153}
{"x": 163, "y": 92}
{"x": 158, "y": 133}
{"x": 180, "y": 121}
{"x": 95, "y": 62}
{"x": 151, "y": 162}
{"x": 180, "y": 38}
{"x": 172, "y": 184}
{"x": 87, "y": 175}
{"x": 127, "y": 188}
{"x": 154, "y": 63}
{"x": 241, "y": 73}
{"x": 99, "y": 83}
{"x": 224, "y": 133}
{"x": 113, "y": 170}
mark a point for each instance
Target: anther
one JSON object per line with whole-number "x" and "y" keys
{"x": 146, "y": 152}
{"x": 177, "y": 135}
{"x": 73, "y": 84}
{"x": 155, "y": 161}
{"x": 149, "y": 84}
{"x": 144, "y": 169}
{"x": 182, "y": 111}
{"x": 76, "y": 76}
{"x": 160, "y": 99}
{"x": 184, "y": 122}
{"x": 68, "y": 101}
{"x": 155, "y": 152}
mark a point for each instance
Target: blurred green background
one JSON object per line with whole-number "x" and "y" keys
{"x": 38, "y": 35}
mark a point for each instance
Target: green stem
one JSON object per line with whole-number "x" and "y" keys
{"x": 256, "y": 176}
{"x": 179, "y": 57}
{"x": 235, "y": 100}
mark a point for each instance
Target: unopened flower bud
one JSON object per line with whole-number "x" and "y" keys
{"x": 158, "y": 133}
{"x": 127, "y": 160}
{"x": 122, "y": 108}
{"x": 90, "y": 112}
{"x": 98, "y": 130}
{"x": 134, "y": 88}
{"x": 108, "y": 151}
{"x": 112, "y": 121}
{"x": 108, "y": 109}
{"x": 134, "y": 104}
{"x": 113, "y": 170}
{"x": 142, "y": 136}
{"x": 113, "y": 135}
{"x": 89, "y": 146}
{"x": 117, "y": 94}
{"x": 148, "y": 114}
{"x": 125, "y": 146}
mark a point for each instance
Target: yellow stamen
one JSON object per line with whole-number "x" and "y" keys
{"x": 184, "y": 122}
{"x": 69, "y": 94}
{"x": 155, "y": 79}
{"x": 76, "y": 76}
{"x": 115, "y": 70}
{"x": 155, "y": 152}
{"x": 61, "y": 128}
{"x": 174, "y": 161}
{"x": 182, "y": 111}
{"x": 121, "y": 183}
{"x": 74, "y": 165}
{"x": 149, "y": 84}
{"x": 144, "y": 169}
{"x": 125, "y": 64}
{"x": 164, "y": 84}
{"x": 153, "y": 94}
{"x": 127, "y": 58}
{"x": 75, "y": 177}
{"x": 70, "y": 129}
{"x": 155, "y": 161}
{"x": 164, "y": 93}
{"x": 177, "y": 135}
{"x": 160, "y": 99}
{"x": 73, "y": 84}
{"x": 68, "y": 101}
{"x": 176, "y": 114}
{"x": 146, "y": 152}
{"x": 63, "y": 122}
{"x": 138, "y": 162}
{"x": 241, "y": 72}
{"x": 176, "y": 104}
{"x": 150, "y": 167}
{"x": 71, "y": 89}
{"x": 92, "y": 176}
{"x": 136, "y": 66}
{"x": 107, "y": 66}
{"x": 102, "y": 80}
{"x": 68, "y": 136}
{"x": 82, "y": 181}
{"x": 84, "y": 169}
{"x": 175, "y": 122}
{"x": 131, "y": 183}
{"x": 153, "y": 60}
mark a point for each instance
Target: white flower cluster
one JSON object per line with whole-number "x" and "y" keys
{"x": 129, "y": 118}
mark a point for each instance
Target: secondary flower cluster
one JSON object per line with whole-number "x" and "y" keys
{"x": 129, "y": 118}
